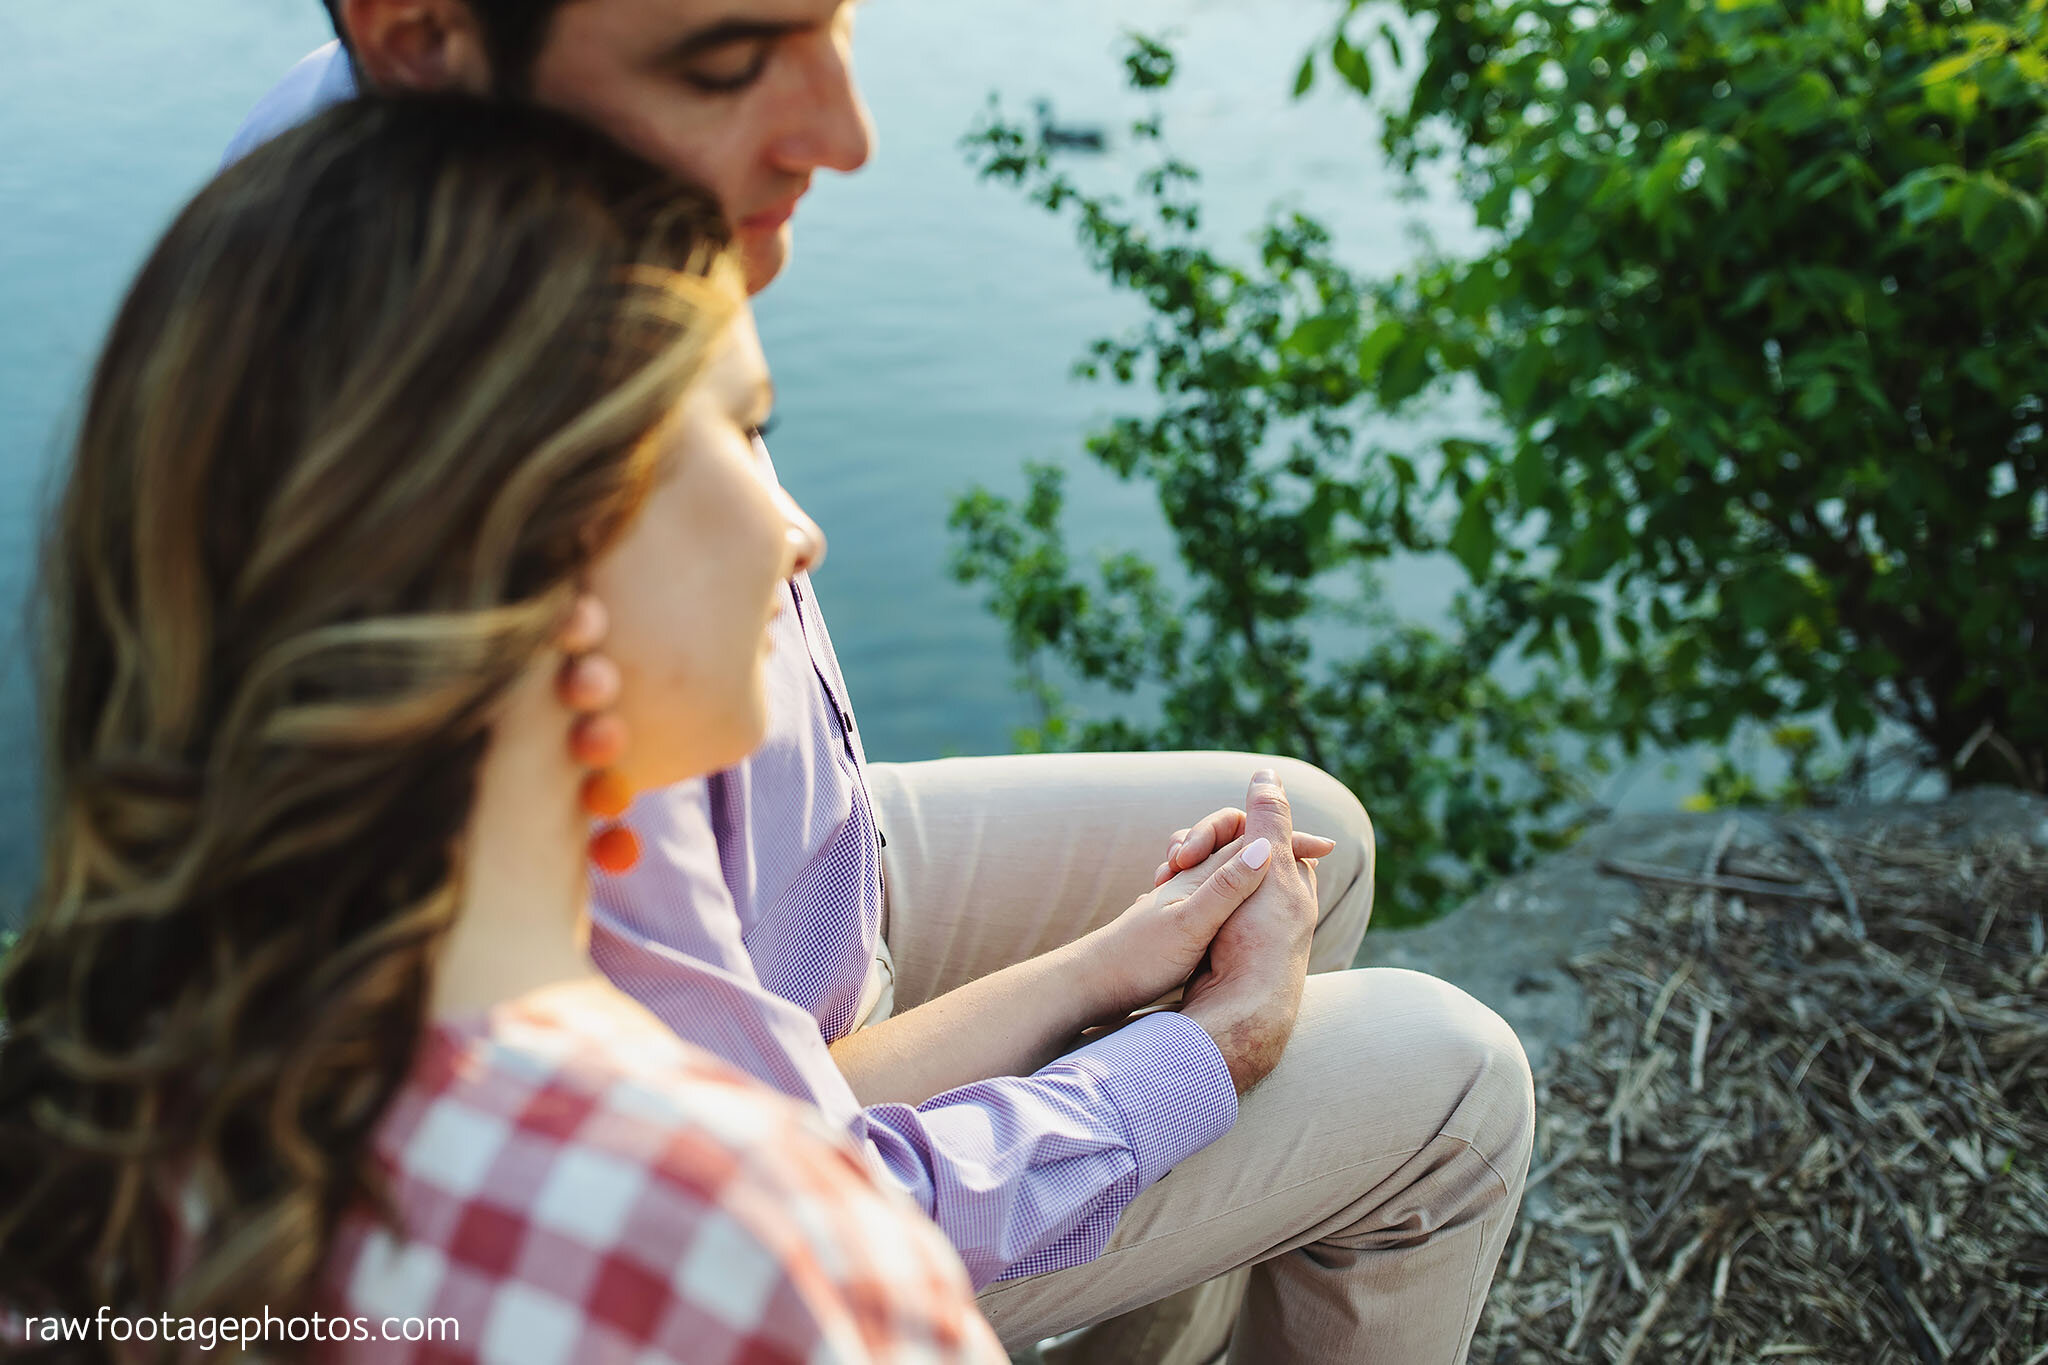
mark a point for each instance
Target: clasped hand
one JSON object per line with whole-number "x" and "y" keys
{"x": 1230, "y": 917}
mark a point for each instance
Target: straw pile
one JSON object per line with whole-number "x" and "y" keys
{"x": 1808, "y": 1119}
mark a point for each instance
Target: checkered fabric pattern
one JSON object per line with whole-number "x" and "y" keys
{"x": 575, "y": 1185}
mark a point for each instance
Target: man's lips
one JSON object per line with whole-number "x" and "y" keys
{"x": 768, "y": 219}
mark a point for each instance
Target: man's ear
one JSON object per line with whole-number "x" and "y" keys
{"x": 417, "y": 44}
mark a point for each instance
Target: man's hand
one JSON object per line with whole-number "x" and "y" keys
{"x": 1192, "y": 846}
{"x": 1248, "y": 994}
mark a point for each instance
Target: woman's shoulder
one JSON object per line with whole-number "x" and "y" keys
{"x": 589, "y": 1042}
{"x": 579, "y": 1087}
{"x": 566, "y": 1171}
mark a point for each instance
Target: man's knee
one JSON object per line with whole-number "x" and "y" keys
{"x": 1472, "y": 1068}
{"x": 1497, "y": 1114}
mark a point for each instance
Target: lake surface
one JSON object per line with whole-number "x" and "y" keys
{"x": 922, "y": 337}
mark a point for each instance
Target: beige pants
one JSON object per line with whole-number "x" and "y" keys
{"x": 1357, "y": 1208}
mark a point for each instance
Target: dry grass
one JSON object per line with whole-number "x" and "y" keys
{"x": 1808, "y": 1123}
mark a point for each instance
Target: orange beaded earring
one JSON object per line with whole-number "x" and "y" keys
{"x": 589, "y": 684}
{"x": 605, "y": 796}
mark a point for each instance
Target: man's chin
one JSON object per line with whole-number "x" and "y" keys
{"x": 764, "y": 253}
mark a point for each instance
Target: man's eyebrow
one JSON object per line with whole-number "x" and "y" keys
{"x": 727, "y": 32}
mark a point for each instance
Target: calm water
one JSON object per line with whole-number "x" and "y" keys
{"x": 921, "y": 339}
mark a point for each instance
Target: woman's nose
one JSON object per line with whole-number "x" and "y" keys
{"x": 804, "y": 538}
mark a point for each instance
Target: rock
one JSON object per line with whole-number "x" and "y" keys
{"x": 1509, "y": 945}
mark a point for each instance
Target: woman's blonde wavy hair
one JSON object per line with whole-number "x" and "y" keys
{"x": 376, "y": 400}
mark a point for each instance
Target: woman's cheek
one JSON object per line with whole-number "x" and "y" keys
{"x": 756, "y": 728}
{"x": 725, "y": 664}
{"x": 731, "y": 716}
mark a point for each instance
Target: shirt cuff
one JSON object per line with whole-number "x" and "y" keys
{"x": 1168, "y": 1082}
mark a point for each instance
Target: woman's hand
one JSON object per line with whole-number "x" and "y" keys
{"x": 1192, "y": 846}
{"x": 1012, "y": 1022}
{"x": 1156, "y": 944}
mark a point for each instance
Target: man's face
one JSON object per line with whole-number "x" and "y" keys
{"x": 746, "y": 97}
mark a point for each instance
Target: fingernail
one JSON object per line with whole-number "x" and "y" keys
{"x": 1266, "y": 775}
{"x": 1256, "y": 852}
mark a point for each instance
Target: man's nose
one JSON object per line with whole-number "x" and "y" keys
{"x": 831, "y": 127}
{"x": 804, "y": 538}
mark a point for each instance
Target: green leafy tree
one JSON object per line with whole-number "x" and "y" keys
{"x": 1278, "y": 513}
{"x": 1765, "y": 316}
{"x": 1762, "y": 322}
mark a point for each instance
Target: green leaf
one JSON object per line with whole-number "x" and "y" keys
{"x": 1923, "y": 193}
{"x": 1524, "y": 372}
{"x": 1950, "y": 68}
{"x": 1950, "y": 88}
{"x": 1351, "y": 63}
{"x": 1817, "y": 397}
{"x": 1373, "y": 351}
{"x": 1315, "y": 336}
{"x": 1655, "y": 190}
{"x": 1982, "y": 370}
{"x": 1474, "y": 540}
{"x": 1305, "y": 79}
{"x": 1802, "y": 105}
{"x": 1531, "y": 475}
{"x": 1587, "y": 642}
{"x": 1148, "y": 63}
{"x": 1755, "y": 292}
{"x": 1393, "y": 42}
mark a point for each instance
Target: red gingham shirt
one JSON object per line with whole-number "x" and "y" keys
{"x": 575, "y": 1184}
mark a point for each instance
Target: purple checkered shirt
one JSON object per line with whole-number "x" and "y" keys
{"x": 754, "y": 914}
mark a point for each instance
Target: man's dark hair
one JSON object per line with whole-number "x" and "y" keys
{"x": 514, "y": 32}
